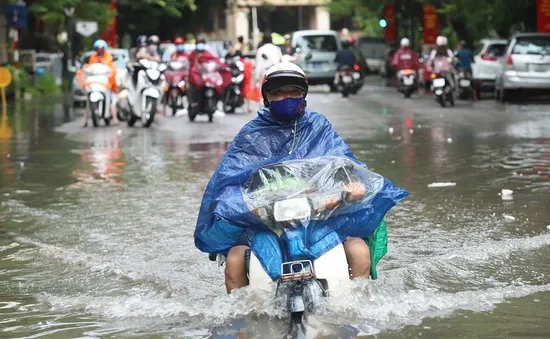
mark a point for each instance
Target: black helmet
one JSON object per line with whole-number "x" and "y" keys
{"x": 141, "y": 41}
{"x": 283, "y": 74}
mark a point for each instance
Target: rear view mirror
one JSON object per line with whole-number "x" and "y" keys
{"x": 309, "y": 56}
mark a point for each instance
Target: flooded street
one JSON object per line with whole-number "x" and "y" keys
{"x": 97, "y": 225}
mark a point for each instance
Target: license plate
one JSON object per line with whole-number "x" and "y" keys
{"x": 465, "y": 83}
{"x": 209, "y": 92}
{"x": 439, "y": 82}
{"x": 347, "y": 79}
{"x": 356, "y": 75}
{"x": 408, "y": 81}
{"x": 539, "y": 67}
{"x": 316, "y": 66}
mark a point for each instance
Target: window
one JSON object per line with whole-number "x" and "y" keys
{"x": 535, "y": 45}
{"x": 321, "y": 43}
{"x": 495, "y": 50}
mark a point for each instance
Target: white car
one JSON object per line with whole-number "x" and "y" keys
{"x": 121, "y": 57}
{"x": 487, "y": 62}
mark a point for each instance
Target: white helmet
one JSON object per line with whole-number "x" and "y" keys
{"x": 441, "y": 41}
{"x": 282, "y": 75}
{"x": 405, "y": 42}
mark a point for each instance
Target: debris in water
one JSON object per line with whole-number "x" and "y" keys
{"x": 390, "y": 130}
{"x": 8, "y": 155}
{"x": 506, "y": 194}
{"x": 411, "y": 131}
{"x": 449, "y": 140}
{"x": 509, "y": 217}
{"x": 548, "y": 227}
{"x": 393, "y": 161}
{"x": 442, "y": 184}
{"x": 119, "y": 132}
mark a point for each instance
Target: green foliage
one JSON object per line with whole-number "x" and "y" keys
{"x": 471, "y": 18}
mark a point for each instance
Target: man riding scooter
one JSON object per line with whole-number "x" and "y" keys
{"x": 405, "y": 59}
{"x": 175, "y": 76}
{"x": 101, "y": 55}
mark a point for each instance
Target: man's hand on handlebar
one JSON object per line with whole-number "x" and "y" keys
{"x": 355, "y": 191}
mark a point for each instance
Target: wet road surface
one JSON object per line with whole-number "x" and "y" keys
{"x": 97, "y": 225}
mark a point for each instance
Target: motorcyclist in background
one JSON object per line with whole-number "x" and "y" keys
{"x": 405, "y": 58}
{"x": 179, "y": 54}
{"x": 344, "y": 58}
{"x": 101, "y": 55}
{"x": 465, "y": 59}
{"x": 359, "y": 56}
{"x": 200, "y": 54}
{"x": 150, "y": 51}
{"x": 442, "y": 51}
{"x": 141, "y": 41}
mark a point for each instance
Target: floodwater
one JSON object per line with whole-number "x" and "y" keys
{"x": 97, "y": 227}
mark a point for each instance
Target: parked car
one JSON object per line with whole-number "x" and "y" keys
{"x": 121, "y": 57}
{"x": 487, "y": 63}
{"x": 374, "y": 51}
{"x": 525, "y": 66}
{"x": 315, "y": 54}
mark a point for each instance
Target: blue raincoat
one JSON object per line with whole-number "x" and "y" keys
{"x": 224, "y": 216}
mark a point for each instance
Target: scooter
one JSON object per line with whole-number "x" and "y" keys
{"x": 465, "y": 90}
{"x": 233, "y": 83}
{"x": 176, "y": 88}
{"x": 441, "y": 86}
{"x": 144, "y": 90}
{"x": 346, "y": 82}
{"x": 95, "y": 80}
{"x": 206, "y": 90}
{"x": 407, "y": 82}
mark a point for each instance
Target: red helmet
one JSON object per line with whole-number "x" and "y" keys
{"x": 351, "y": 41}
{"x": 179, "y": 41}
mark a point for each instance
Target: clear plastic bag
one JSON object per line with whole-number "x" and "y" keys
{"x": 285, "y": 194}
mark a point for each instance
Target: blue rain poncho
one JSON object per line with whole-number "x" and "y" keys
{"x": 225, "y": 217}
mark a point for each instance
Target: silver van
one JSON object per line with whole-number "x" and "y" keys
{"x": 315, "y": 54}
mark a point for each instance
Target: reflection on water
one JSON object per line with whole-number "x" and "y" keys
{"x": 100, "y": 159}
{"x": 101, "y": 243}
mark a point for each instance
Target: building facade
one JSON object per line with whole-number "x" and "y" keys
{"x": 281, "y": 16}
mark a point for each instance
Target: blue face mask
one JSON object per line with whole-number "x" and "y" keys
{"x": 179, "y": 48}
{"x": 201, "y": 47}
{"x": 287, "y": 109}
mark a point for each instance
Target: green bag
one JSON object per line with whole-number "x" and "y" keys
{"x": 378, "y": 246}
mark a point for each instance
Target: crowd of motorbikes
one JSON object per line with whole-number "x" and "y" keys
{"x": 150, "y": 84}
{"x": 445, "y": 82}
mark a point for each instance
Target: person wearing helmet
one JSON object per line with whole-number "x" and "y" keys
{"x": 344, "y": 58}
{"x": 150, "y": 50}
{"x": 446, "y": 56}
{"x": 200, "y": 54}
{"x": 179, "y": 54}
{"x": 285, "y": 129}
{"x": 141, "y": 42}
{"x": 101, "y": 55}
{"x": 405, "y": 58}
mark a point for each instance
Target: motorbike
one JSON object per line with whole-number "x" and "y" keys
{"x": 407, "y": 82}
{"x": 95, "y": 80}
{"x": 441, "y": 86}
{"x": 176, "y": 88}
{"x": 346, "y": 82}
{"x": 465, "y": 90}
{"x": 292, "y": 199}
{"x": 233, "y": 83}
{"x": 144, "y": 91}
{"x": 206, "y": 90}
